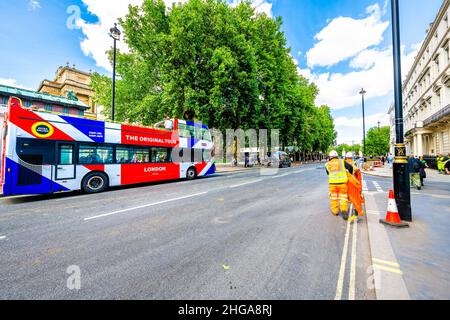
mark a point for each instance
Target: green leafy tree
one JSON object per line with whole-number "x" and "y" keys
{"x": 348, "y": 148}
{"x": 204, "y": 60}
{"x": 377, "y": 141}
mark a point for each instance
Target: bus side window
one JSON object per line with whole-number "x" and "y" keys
{"x": 161, "y": 155}
{"x": 95, "y": 155}
{"x": 65, "y": 154}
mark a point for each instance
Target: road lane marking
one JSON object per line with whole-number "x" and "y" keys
{"x": 245, "y": 183}
{"x": 388, "y": 263}
{"x": 351, "y": 290}
{"x": 282, "y": 175}
{"x": 377, "y": 186}
{"x": 374, "y": 212}
{"x": 340, "y": 283}
{"x": 437, "y": 196}
{"x": 364, "y": 186}
{"x": 2, "y": 237}
{"x": 144, "y": 206}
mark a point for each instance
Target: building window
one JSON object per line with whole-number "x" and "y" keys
{"x": 438, "y": 99}
{"x": 436, "y": 60}
{"x": 27, "y": 104}
{"x": 80, "y": 112}
{"x": 5, "y": 100}
{"x": 65, "y": 110}
{"x": 48, "y": 108}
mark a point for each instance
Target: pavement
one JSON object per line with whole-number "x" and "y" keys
{"x": 242, "y": 235}
{"x": 229, "y": 168}
{"x": 411, "y": 263}
{"x": 386, "y": 172}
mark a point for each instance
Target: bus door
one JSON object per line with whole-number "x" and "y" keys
{"x": 35, "y": 165}
{"x": 65, "y": 167}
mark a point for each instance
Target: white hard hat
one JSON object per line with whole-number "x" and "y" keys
{"x": 334, "y": 154}
{"x": 349, "y": 155}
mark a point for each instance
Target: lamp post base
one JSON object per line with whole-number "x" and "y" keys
{"x": 402, "y": 185}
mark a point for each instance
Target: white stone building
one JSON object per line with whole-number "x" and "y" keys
{"x": 391, "y": 114}
{"x": 426, "y": 92}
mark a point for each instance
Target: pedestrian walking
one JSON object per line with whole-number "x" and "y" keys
{"x": 423, "y": 173}
{"x": 414, "y": 172}
{"x": 337, "y": 180}
{"x": 349, "y": 160}
{"x": 391, "y": 160}
{"x": 440, "y": 163}
{"x": 447, "y": 166}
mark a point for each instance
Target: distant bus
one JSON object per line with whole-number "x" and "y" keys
{"x": 45, "y": 152}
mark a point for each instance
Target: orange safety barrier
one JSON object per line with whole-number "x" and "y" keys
{"x": 354, "y": 186}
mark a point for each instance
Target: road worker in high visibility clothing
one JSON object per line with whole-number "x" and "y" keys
{"x": 337, "y": 180}
{"x": 440, "y": 163}
{"x": 349, "y": 160}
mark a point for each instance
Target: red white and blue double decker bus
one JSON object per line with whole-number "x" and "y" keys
{"x": 45, "y": 152}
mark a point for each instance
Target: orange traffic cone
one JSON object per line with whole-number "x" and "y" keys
{"x": 393, "y": 217}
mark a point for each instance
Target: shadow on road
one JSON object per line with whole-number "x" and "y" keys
{"x": 72, "y": 194}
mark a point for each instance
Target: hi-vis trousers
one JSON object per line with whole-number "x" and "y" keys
{"x": 338, "y": 198}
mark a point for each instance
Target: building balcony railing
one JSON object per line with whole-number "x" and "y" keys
{"x": 437, "y": 116}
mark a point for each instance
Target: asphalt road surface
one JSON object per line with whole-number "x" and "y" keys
{"x": 247, "y": 235}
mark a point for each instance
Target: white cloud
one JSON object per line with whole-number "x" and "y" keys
{"x": 97, "y": 40}
{"x": 345, "y": 37}
{"x": 12, "y": 83}
{"x": 261, "y": 6}
{"x": 350, "y": 129}
{"x": 371, "y": 121}
{"x": 33, "y": 5}
{"x": 372, "y": 70}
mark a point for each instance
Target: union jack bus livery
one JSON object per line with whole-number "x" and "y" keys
{"x": 46, "y": 153}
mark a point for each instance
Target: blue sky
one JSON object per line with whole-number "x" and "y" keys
{"x": 45, "y": 34}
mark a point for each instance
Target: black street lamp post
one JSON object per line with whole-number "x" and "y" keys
{"x": 362, "y": 93}
{"x": 115, "y": 34}
{"x": 401, "y": 176}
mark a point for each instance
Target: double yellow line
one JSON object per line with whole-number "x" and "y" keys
{"x": 352, "y": 281}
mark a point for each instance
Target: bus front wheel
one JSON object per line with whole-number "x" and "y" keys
{"x": 191, "y": 174}
{"x": 94, "y": 182}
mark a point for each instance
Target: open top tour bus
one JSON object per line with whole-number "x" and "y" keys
{"x": 46, "y": 152}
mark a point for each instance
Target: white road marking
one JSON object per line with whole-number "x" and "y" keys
{"x": 244, "y": 184}
{"x": 374, "y": 212}
{"x": 351, "y": 290}
{"x": 364, "y": 186}
{"x": 282, "y": 175}
{"x": 2, "y": 237}
{"x": 377, "y": 186}
{"x": 340, "y": 283}
{"x": 144, "y": 206}
{"x": 437, "y": 196}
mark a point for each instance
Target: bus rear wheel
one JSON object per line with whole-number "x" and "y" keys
{"x": 191, "y": 174}
{"x": 94, "y": 182}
